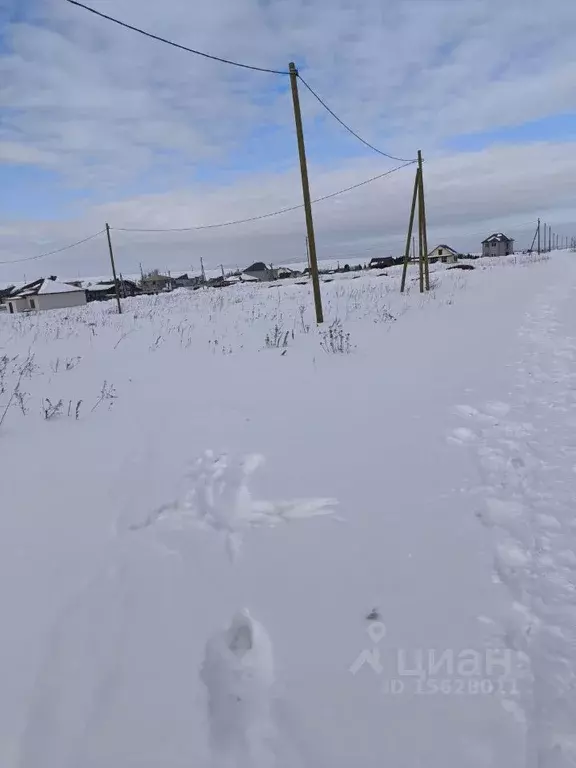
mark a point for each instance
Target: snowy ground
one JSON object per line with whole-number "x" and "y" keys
{"x": 167, "y": 606}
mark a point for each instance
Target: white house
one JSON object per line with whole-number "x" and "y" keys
{"x": 444, "y": 253}
{"x": 498, "y": 244}
{"x": 46, "y": 293}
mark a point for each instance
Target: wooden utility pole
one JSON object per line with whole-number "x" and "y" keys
{"x": 117, "y": 287}
{"x": 421, "y": 281}
{"x": 306, "y": 193}
{"x": 538, "y": 235}
{"x": 423, "y": 263}
{"x": 410, "y": 228}
{"x": 422, "y": 209}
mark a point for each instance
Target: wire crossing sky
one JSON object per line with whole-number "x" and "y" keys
{"x": 162, "y": 116}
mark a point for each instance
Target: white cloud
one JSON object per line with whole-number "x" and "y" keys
{"x": 14, "y": 153}
{"x": 468, "y": 195}
{"x": 107, "y": 107}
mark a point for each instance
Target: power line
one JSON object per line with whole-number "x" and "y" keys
{"x": 172, "y": 43}
{"x": 265, "y": 215}
{"x": 58, "y": 250}
{"x": 343, "y": 124}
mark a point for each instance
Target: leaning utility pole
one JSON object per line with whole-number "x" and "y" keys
{"x": 410, "y": 227}
{"x": 306, "y": 193}
{"x": 117, "y": 287}
{"x": 538, "y": 235}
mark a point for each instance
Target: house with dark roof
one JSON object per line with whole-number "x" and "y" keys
{"x": 261, "y": 272}
{"x": 443, "y": 253}
{"x": 381, "y": 262}
{"x": 497, "y": 245}
{"x": 103, "y": 290}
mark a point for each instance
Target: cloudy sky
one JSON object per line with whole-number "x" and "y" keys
{"x": 100, "y": 124}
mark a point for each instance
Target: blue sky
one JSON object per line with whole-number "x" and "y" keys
{"x": 97, "y": 122}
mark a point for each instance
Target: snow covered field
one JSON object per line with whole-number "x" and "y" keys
{"x": 393, "y": 586}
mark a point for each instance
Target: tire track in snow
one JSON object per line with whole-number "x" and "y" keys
{"x": 526, "y": 452}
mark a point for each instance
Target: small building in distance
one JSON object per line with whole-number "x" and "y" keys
{"x": 46, "y": 293}
{"x": 282, "y": 273}
{"x": 154, "y": 282}
{"x": 189, "y": 281}
{"x": 103, "y": 290}
{"x": 497, "y": 245}
{"x": 261, "y": 272}
{"x": 443, "y": 253}
{"x": 381, "y": 262}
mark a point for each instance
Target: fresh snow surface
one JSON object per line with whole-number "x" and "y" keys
{"x": 393, "y": 586}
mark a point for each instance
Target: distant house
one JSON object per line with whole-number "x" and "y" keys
{"x": 283, "y": 273}
{"x": 105, "y": 289}
{"x": 5, "y": 294}
{"x": 381, "y": 262}
{"x": 46, "y": 293}
{"x": 157, "y": 283}
{"x": 497, "y": 245}
{"x": 189, "y": 281}
{"x": 443, "y": 253}
{"x": 261, "y": 272}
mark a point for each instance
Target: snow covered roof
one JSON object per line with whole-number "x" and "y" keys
{"x": 499, "y": 237}
{"x": 99, "y": 286}
{"x": 444, "y": 246}
{"x": 46, "y": 286}
{"x": 53, "y": 286}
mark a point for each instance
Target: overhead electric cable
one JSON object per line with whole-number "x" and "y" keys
{"x": 58, "y": 250}
{"x": 347, "y": 127}
{"x": 172, "y": 43}
{"x": 264, "y": 215}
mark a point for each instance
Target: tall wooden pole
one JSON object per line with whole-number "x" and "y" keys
{"x": 538, "y": 235}
{"x": 410, "y": 228}
{"x": 424, "y": 225}
{"x": 117, "y": 287}
{"x": 306, "y": 193}
{"x": 420, "y": 237}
